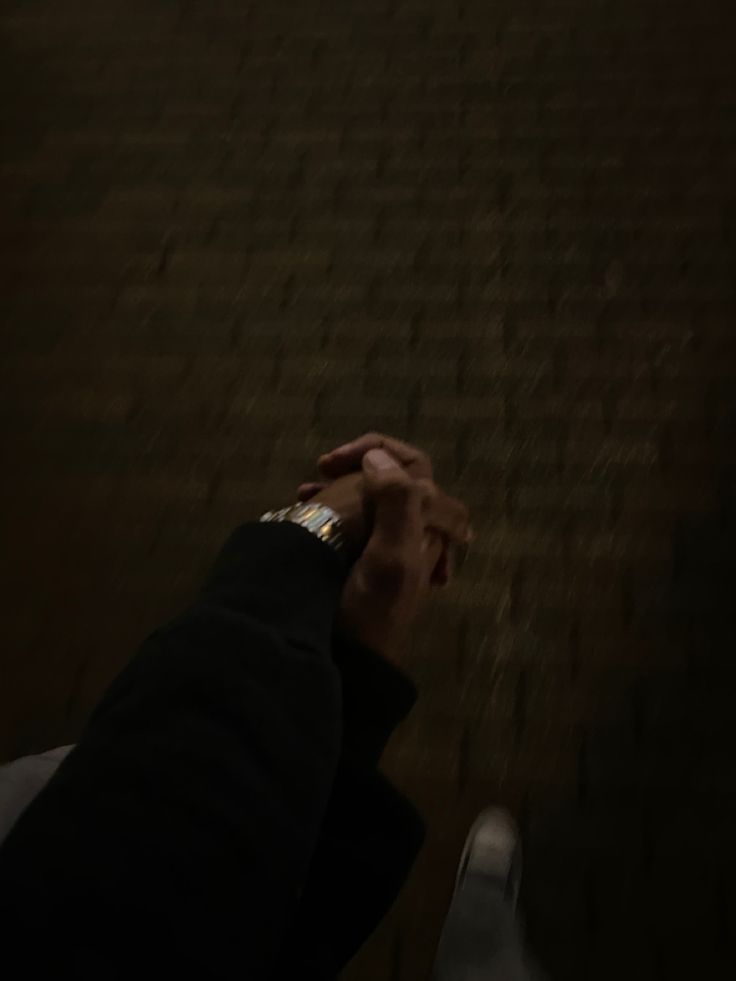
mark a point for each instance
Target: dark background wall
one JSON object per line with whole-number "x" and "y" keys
{"x": 233, "y": 233}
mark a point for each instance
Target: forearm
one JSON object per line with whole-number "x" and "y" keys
{"x": 192, "y": 803}
{"x": 376, "y": 697}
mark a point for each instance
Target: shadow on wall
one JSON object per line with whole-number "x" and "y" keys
{"x": 635, "y": 877}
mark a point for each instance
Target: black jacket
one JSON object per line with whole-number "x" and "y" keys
{"x": 222, "y": 815}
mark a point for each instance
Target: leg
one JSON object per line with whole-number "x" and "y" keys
{"x": 481, "y": 939}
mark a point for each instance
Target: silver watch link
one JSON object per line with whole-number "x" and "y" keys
{"x": 319, "y": 519}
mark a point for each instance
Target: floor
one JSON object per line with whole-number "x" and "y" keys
{"x": 234, "y": 233}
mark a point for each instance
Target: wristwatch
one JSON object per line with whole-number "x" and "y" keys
{"x": 320, "y": 519}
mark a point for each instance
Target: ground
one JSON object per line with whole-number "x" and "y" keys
{"x": 235, "y": 233}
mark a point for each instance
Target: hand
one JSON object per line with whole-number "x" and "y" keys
{"x": 444, "y": 517}
{"x": 347, "y": 459}
{"x": 391, "y": 579}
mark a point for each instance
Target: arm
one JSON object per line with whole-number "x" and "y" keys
{"x": 182, "y": 827}
{"x": 371, "y": 834}
{"x": 376, "y": 697}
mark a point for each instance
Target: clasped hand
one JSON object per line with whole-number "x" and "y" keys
{"x": 404, "y": 527}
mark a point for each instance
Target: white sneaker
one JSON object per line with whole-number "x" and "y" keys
{"x": 493, "y": 850}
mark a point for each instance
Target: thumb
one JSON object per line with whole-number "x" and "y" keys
{"x": 396, "y": 500}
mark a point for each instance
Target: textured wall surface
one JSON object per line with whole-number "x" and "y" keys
{"x": 233, "y": 233}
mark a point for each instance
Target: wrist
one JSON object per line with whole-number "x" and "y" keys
{"x": 345, "y": 497}
{"x": 319, "y": 519}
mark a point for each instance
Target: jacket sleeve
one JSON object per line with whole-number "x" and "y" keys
{"x": 376, "y": 697}
{"x": 178, "y": 834}
{"x": 370, "y": 835}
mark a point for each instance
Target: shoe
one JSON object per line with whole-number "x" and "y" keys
{"x": 493, "y": 850}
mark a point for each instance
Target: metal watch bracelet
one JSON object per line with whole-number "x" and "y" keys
{"x": 319, "y": 519}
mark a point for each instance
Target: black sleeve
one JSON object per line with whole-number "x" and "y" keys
{"x": 370, "y": 835}
{"x": 376, "y": 697}
{"x": 177, "y": 837}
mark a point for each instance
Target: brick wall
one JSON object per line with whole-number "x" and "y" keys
{"x": 232, "y": 234}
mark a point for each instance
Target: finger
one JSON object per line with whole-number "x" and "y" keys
{"x": 449, "y": 557}
{"x": 438, "y": 571}
{"x": 306, "y": 492}
{"x": 396, "y": 499}
{"x": 446, "y": 514}
{"x": 450, "y": 520}
{"x": 348, "y": 457}
{"x": 433, "y": 548}
{"x": 436, "y": 552}
{"x": 444, "y": 567}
